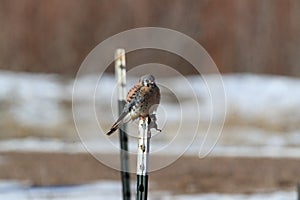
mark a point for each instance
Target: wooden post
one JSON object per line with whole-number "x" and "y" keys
{"x": 120, "y": 71}
{"x": 143, "y": 159}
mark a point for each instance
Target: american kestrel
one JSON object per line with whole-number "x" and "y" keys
{"x": 140, "y": 101}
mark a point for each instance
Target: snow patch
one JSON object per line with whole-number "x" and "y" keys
{"x": 13, "y": 190}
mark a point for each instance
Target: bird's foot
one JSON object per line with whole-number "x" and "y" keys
{"x": 152, "y": 122}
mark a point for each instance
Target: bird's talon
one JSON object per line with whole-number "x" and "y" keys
{"x": 149, "y": 120}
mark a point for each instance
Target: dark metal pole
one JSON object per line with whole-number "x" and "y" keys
{"x": 298, "y": 191}
{"x": 120, "y": 70}
{"x": 143, "y": 159}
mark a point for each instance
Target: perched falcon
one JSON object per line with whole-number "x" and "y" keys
{"x": 141, "y": 100}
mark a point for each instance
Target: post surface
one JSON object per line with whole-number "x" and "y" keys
{"x": 120, "y": 71}
{"x": 143, "y": 159}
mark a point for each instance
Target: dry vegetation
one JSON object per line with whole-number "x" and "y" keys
{"x": 241, "y": 36}
{"x": 228, "y": 175}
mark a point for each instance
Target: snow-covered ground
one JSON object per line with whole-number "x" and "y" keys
{"x": 56, "y": 145}
{"x": 10, "y": 190}
{"x": 262, "y": 119}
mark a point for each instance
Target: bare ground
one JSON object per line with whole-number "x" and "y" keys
{"x": 186, "y": 175}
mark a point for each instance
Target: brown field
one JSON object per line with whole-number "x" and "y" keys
{"x": 186, "y": 175}
{"x": 241, "y": 36}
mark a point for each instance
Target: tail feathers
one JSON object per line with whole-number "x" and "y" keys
{"x": 113, "y": 129}
{"x": 124, "y": 118}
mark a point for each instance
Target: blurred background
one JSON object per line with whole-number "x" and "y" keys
{"x": 241, "y": 36}
{"x": 255, "y": 45}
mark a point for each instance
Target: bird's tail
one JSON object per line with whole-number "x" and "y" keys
{"x": 113, "y": 129}
{"x": 124, "y": 118}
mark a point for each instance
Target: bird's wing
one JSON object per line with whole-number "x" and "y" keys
{"x": 157, "y": 100}
{"x": 123, "y": 118}
{"x": 132, "y": 92}
{"x": 125, "y": 115}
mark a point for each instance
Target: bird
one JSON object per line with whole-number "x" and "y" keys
{"x": 141, "y": 101}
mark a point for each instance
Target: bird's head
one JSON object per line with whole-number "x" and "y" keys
{"x": 147, "y": 80}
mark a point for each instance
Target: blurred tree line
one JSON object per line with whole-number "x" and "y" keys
{"x": 259, "y": 36}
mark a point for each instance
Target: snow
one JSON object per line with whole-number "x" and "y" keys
{"x": 262, "y": 95}
{"x": 249, "y": 95}
{"x": 33, "y": 98}
{"x": 266, "y": 196}
{"x": 39, "y": 145}
{"x": 12, "y": 190}
{"x": 263, "y": 111}
{"x": 55, "y": 145}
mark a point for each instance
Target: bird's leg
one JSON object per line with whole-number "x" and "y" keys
{"x": 149, "y": 120}
{"x": 152, "y": 122}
